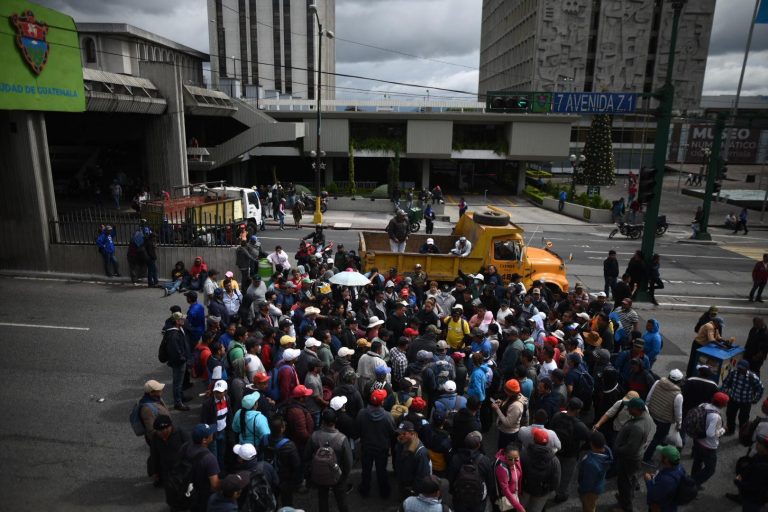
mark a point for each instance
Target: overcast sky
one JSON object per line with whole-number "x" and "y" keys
{"x": 444, "y": 33}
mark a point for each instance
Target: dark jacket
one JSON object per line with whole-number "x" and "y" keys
{"x": 163, "y": 454}
{"x": 592, "y": 469}
{"x": 347, "y": 425}
{"x": 663, "y": 487}
{"x": 217, "y": 308}
{"x": 299, "y": 423}
{"x": 397, "y": 325}
{"x": 337, "y": 441}
{"x": 464, "y": 422}
{"x": 541, "y": 470}
{"x": 287, "y": 460}
{"x": 754, "y": 479}
{"x": 610, "y": 267}
{"x": 412, "y": 462}
{"x": 208, "y": 410}
{"x": 484, "y": 467}
{"x": 377, "y": 429}
{"x": 550, "y": 403}
{"x": 633, "y": 437}
{"x": 426, "y": 342}
{"x": 696, "y": 391}
{"x": 177, "y": 347}
{"x": 355, "y": 402}
{"x": 571, "y": 431}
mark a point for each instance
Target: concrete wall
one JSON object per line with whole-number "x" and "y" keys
{"x": 26, "y": 191}
{"x": 579, "y": 212}
{"x": 538, "y": 141}
{"x": 429, "y": 139}
{"x": 334, "y": 136}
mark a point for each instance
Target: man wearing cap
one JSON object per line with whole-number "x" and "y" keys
{"x": 217, "y": 410}
{"x": 377, "y": 429}
{"x": 709, "y": 332}
{"x": 411, "y": 459}
{"x": 397, "y": 229}
{"x": 164, "y": 448}
{"x": 311, "y": 345}
{"x": 743, "y": 388}
{"x": 179, "y": 357}
{"x": 628, "y": 449}
{"x": 329, "y": 435}
{"x": 205, "y": 472}
{"x": 287, "y": 377}
{"x": 593, "y": 468}
{"x": 248, "y": 466}
{"x": 345, "y": 422}
{"x": 665, "y": 405}
{"x": 541, "y": 471}
{"x": 231, "y": 487}
{"x": 462, "y": 247}
{"x": 248, "y": 422}
{"x": 217, "y": 308}
{"x": 752, "y": 478}
{"x": 625, "y": 357}
{"x": 298, "y": 418}
{"x": 662, "y": 487}
{"x": 470, "y": 453}
{"x": 429, "y": 247}
{"x": 151, "y": 405}
{"x": 366, "y": 366}
{"x": 705, "y": 448}
{"x": 572, "y": 433}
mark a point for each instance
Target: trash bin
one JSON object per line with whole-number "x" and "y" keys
{"x": 750, "y": 178}
{"x": 265, "y": 270}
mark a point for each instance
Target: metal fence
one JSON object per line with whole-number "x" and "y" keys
{"x": 83, "y": 227}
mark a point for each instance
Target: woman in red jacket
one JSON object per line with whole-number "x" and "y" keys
{"x": 509, "y": 478}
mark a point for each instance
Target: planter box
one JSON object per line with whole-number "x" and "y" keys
{"x": 592, "y": 215}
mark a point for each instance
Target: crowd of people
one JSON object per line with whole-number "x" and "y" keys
{"x": 480, "y": 394}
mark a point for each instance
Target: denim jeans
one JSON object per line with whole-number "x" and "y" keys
{"x": 219, "y": 446}
{"x": 110, "y": 262}
{"x": 704, "y": 463}
{"x": 172, "y": 286}
{"x": 178, "y": 383}
{"x": 610, "y": 282}
{"x": 151, "y": 273}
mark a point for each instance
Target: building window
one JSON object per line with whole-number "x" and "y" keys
{"x": 89, "y": 46}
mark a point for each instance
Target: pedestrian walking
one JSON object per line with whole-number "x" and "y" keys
{"x": 665, "y": 404}
{"x": 429, "y": 219}
{"x": 756, "y": 347}
{"x": 462, "y": 207}
{"x": 562, "y": 197}
{"x": 654, "y": 278}
{"x": 742, "y": 222}
{"x": 743, "y": 388}
{"x": 316, "y": 452}
{"x": 509, "y": 478}
{"x": 696, "y": 224}
{"x": 298, "y": 213}
{"x": 541, "y": 472}
{"x": 705, "y": 443}
{"x": 178, "y": 357}
{"x": 663, "y": 487}
{"x": 410, "y": 458}
{"x": 592, "y": 470}
{"x": 759, "y": 279}
{"x": 610, "y": 272}
{"x": 628, "y": 449}
{"x": 281, "y": 214}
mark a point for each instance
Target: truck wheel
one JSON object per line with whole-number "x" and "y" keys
{"x": 491, "y": 218}
{"x": 414, "y": 227}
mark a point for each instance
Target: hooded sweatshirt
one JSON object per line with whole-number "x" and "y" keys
{"x": 592, "y": 469}
{"x": 663, "y": 487}
{"x": 377, "y": 429}
{"x": 541, "y": 470}
{"x": 653, "y": 342}
{"x": 509, "y": 479}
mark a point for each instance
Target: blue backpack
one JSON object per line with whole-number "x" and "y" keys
{"x": 273, "y": 391}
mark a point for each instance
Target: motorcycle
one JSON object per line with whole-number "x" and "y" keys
{"x": 309, "y": 202}
{"x": 635, "y": 231}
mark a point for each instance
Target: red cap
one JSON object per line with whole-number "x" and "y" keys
{"x": 260, "y": 377}
{"x": 512, "y": 385}
{"x": 720, "y": 399}
{"x": 410, "y": 332}
{"x": 457, "y": 356}
{"x": 551, "y": 340}
{"x": 404, "y": 292}
{"x": 378, "y": 396}
{"x": 300, "y": 391}
{"x": 540, "y": 436}
{"x": 418, "y": 404}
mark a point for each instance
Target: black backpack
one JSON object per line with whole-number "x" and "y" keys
{"x": 259, "y": 497}
{"x": 695, "y": 422}
{"x": 687, "y": 490}
{"x": 162, "y": 351}
{"x": 584, "y": 389}
{"x": 179, "y": 487}
{"x": 468, "y": 488}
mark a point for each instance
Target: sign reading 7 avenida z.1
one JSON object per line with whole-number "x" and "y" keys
{"x": 594, "y": 102}
{"x": 40, "y": 66}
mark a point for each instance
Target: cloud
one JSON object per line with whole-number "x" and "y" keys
{"x": 729, "y": 31}
{"x": 723, "y": 71}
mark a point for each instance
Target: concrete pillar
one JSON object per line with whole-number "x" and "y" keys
{"x": 27, "y": 201}
{"x": 521, "y": 168}
{"x": 328, "y": 176}
{"x": 425, "y": 173}
{"x": 165, "y": 137}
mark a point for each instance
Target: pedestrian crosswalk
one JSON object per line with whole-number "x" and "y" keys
{"x": 751, "y": 252}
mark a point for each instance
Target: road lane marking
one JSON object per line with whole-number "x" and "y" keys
{"x": 696, "y": 297}
{"x": 676, "y": 255}
{"x": 9, "y": 324}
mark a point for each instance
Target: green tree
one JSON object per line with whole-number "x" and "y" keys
{"x": 599, "y": 168}
{"x": 352, "y": 185}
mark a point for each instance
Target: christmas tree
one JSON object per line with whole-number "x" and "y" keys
{"x": 599, "y": 168}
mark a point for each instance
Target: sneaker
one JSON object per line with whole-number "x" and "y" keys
{"x": 181, "y": 407}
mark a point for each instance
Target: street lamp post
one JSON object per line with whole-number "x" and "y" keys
{"x": 318, "y": 153}
{"x": 576, "y": 169}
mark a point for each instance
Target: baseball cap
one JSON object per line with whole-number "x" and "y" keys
{"x": 345, "y": 351}
{"x": 220, "y": 386}
{"x": 458, "y": 356}
{"x": 378, "y": 396}
{"x": 410, "y": 332}
{"x": 382, "y": 370}
{"x": 201, "y": 431}
{"x": 418, "y": 404}
{"x": 260, "y": 377}
{"x": 670, "y": 452}
{"x": 540, "y": 436}
{"x": 338, "y": 402}
{"x": 249, "y": 401}
{"x": 423, "y": 355}
{"x": 473, "y": 440}
{"x": 431, "y": 241}
{"x": 290, "y": 354}
{"x": 636, "y": 403}
{"x": 178, "y": 315}
{"x": 720, "y": 399}
{"x": 405, "y": 426}
{"x": 287, "y": 340}
{"x": 301, "y": 391}
{"x": 312, "y": 342}
{"x": 245, "y": 451}
{"x": 442, "y": 345}
{"x": 153, "y": 385}
{"x": 449, "y": 386}
{"x": 675, "y": 375}
{"x": 512, "y": 385}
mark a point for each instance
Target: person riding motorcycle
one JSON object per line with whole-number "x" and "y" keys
{"x": 318, "y": 237}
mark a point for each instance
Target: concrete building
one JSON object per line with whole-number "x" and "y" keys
{"x": 585, "y": 45}
{"x": 271, "y": 46}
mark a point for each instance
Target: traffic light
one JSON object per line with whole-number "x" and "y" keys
{"x": 507, "y": 102}
{"x": 646, "y": 185}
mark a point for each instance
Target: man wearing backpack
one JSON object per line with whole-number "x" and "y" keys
{"x": 411, "y": 460}
{"x": 628, "y": 449}
{"x": 329, "y": 469}
{"x": 197, "y": 465}
{"x": 449, "y": 403}
{"x": 578, "y": 381}
{"x": 707, "y": 438}
{"x": 262, "y": 483}
{"x": 663, "y": 486}
{"x": 541, "y": 472}
{"x": 178, "y": 357}
{"x": 572, "y": 433}
{"x": 164, "y": 449}
{"x": 229, "y": 493}
{"x": 752, "y": 478}
{"x": 470, "y": 475}
{"x": 149, "y": 407}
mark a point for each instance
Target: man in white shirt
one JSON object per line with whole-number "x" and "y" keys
{"x": 232, "y": 298}
{"x": 525, "y": 434}
{"x": 209, "y": 287}
{"x": 462, "y": 248}
{"x": 279, "y": 257}
{"x": 705, "y": 449}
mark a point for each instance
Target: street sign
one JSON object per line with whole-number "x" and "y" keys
{"x": 594, "y": 102}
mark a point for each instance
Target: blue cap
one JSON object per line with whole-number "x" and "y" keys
{"x": 201, "y": 431}
{"x": 254, "y": 238}
{"x": 382, "y": 370}
{"x": 218, "y": 292}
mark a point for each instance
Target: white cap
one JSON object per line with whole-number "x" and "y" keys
{"x": 338, "y": 402}
{"x": 245, "y": 451}
{"x": 463, "y": 239}
{"x": 584, "y": 316}
{"x": 221, "y": 385}
{"x": 290, "y": 354}
{"x": 312, "y": 342}
{"x": 600, "y": 294}
{"x": 559, "y": 334}
{"x": 676, "y": 375}
{"x": 389, "y": 284}
{"x": 449, "y": 386}
{"x": 330, "y": 260}
{"x": 431, "y": 241}
{"x": 344, "y": 352}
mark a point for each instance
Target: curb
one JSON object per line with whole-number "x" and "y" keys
{"x": 92, "y": 278}
{"x": 671, "y": 306}
{"x": 698, "y": 242}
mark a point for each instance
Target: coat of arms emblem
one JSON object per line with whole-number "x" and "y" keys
{"x": 30, "y": 38}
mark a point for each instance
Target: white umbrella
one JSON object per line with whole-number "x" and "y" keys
{"x": 350, "y": 278}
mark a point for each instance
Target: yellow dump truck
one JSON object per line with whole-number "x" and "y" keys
{"x": 495, "y": 241}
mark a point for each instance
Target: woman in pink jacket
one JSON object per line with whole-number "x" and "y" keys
{"x": 509, "y": 479}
